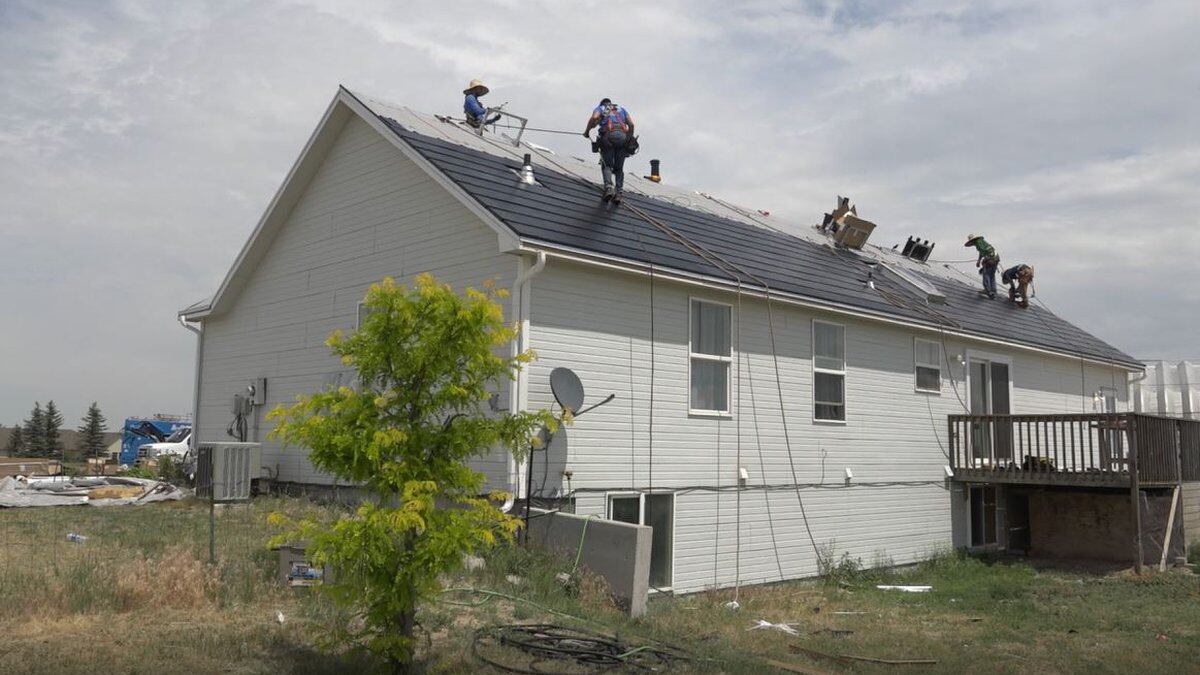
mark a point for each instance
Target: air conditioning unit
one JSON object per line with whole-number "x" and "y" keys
{"x": 225, "y": 471}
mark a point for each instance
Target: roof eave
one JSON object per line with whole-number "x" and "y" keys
{"x": 625, "y": 264}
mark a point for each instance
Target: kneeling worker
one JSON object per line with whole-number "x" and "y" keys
{"x": 474, "y": 111}
{"x": 616, "y": 128}
{"x": 1018, "y": 279}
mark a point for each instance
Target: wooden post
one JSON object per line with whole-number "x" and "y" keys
{"x": 1162, "y": 563}
{"x": 1135, "y": 494}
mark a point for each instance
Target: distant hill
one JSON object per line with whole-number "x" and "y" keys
{"x": 69, "y": 438}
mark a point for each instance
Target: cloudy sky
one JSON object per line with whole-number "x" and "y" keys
{"x": 140, "y": 142}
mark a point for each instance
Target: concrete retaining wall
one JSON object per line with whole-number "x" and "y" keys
{"x": 617, "y": 551}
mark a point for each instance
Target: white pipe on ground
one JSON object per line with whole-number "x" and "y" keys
{"x": 520, "y": 300}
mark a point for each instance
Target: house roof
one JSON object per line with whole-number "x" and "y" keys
{"x": 563, "y": 213}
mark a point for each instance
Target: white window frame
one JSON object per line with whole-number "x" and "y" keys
{"x": 608, "y": 497}
{"x": 828, "y": 371}
{"x": 977, "y": 356}
{"x": 918, "y": 364}
{"x": 728, "y": 360}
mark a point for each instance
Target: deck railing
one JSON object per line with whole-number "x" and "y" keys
{"x": 1099, "y": 447}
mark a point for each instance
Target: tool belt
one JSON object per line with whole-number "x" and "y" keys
{"x": 631, "y": 146}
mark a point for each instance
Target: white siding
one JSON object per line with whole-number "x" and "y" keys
{"x": 369, "y": 212}
{"x": 598, "y": 323}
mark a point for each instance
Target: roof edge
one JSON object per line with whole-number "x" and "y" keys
{"x": 339, "y": 111}
{"x": 613, "y": 262}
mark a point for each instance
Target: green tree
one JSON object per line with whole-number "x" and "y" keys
{"x": 52, "y": 421}
{"x": 425, "y": 357}
{"x": 16, "y": 442}
{"x": 91, "y": 432}
{"x": 35, "y": 432}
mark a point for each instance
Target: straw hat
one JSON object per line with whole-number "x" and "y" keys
{"x": 971, "y": 239}
{"x": 476, "y": 87}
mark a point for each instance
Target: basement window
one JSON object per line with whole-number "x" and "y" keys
{"x": 709, "y": 351}
{"x": 927, "y": 362}
{"x": 829, "y": 372}
{"x": 658, "y": 511}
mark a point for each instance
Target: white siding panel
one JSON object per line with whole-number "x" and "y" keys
{"x": 368, "y": 213}
{"x": 599, "y": 324}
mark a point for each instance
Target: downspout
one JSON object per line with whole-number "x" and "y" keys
{"x": 1130, "y": 384}
{"x": 198, "y": 329}
{"x": 520, "y": 302}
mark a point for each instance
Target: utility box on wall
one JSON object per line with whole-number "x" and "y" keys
{"x": 225, "y": 471}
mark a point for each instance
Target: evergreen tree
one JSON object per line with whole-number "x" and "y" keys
{"x": 51, "y": 444}
{"x": 35, "y": 432}
{"x": 16, "y": 442}
{"x": 91, "y": 432}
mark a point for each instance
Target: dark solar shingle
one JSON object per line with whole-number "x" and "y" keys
{"x": 564, "y": 210}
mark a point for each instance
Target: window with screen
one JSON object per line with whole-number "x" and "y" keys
{"x": 927, "y": 360}
{"x": 829, "y": 372}
{"x": 710, "y": 355}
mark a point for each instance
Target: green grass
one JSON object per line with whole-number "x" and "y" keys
{"x": 138, "y": 596}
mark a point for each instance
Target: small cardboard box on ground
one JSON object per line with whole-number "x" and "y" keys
{"x": 295, "y": 569}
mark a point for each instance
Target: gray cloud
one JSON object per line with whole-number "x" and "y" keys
{"x": 140, "y": 142}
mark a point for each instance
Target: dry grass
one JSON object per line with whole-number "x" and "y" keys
{"x": 140, "y": 596}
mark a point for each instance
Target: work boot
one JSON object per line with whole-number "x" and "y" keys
{"x": 609, "y": 193}
{"x": 618, "y": 196}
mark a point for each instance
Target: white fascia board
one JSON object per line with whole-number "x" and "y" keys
{"x": 615, "y": 263}
{"x": 507, "y": 239}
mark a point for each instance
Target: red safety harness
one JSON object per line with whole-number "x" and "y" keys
{"x": 613, "y": 118}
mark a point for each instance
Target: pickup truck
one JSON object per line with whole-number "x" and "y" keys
{"x": 175, "y": 445}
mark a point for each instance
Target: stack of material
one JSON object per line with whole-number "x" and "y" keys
{"x": 18, "y": 491}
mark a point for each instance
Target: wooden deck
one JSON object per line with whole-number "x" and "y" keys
{"x": 1119, "y": 450}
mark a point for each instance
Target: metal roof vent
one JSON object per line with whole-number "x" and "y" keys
{"x": 527, "y": 171}
{"x": 917, "y": 250}
{"x": 915, "y": 283}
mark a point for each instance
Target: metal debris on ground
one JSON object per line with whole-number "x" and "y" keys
{"x": 906, "y": 589}
{"x": 20, "y": 492}
{"x": 767, "y": 625}
{"x": 571, "y": 650}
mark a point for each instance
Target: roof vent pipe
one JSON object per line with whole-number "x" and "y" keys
{"x": 527, "y": 171}
{"x": 654, "y": 175}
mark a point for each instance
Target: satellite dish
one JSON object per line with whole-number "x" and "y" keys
{"x": 567, "y": 388}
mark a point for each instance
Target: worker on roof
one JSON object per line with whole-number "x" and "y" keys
{"x": 987, "y": 263}
{"x": 615, "y": 133}
{"x": 475, "y": 112}
{"x": 1018, "y": 278}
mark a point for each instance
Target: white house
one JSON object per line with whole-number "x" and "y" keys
{"x": 776, "y": 392}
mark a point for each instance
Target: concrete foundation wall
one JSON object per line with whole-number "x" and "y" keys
{"x": 617, "y": 551}
{"x": 1099, "y": 525}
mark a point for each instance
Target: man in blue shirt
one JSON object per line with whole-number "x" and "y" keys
{"x": 616, "y": 128}
{"x": 472, "y": 108}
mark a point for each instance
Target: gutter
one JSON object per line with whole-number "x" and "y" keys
{"x": 198, "y": 329}
{"x": 516, "y": 392}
